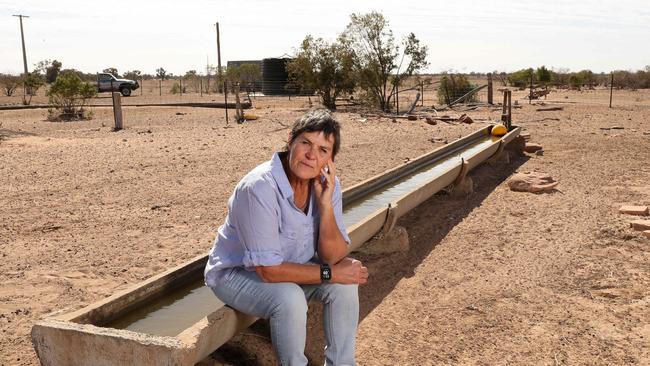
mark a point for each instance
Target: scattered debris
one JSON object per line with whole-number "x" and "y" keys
{"x": 531, "y": 147}
{"x": 539, "y": 152}
{"x": 411, "y": 117}
{"x": 465, "y": 119}
{"x": 640, "y": 225}
{"x": 618, "y": 128}
{"x": 646, "y": 233}
{"x": 533, "y": 182}
{"x": 438, "y": 139}
{"x": 250, "y": 117}
{"x": 525, "y": 135}
{"x": 634, "y": 210}
{"x": 161, "y": 207}
{"x": 180, "y": 113}
{"x": 605, "y": 128}
{"x": 430, "y": 120}
{"x": 550, "y": 109}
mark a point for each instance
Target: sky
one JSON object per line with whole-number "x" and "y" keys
{"x": 462, "y": 35}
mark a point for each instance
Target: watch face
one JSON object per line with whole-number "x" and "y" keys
{"x": 326, "y": 273}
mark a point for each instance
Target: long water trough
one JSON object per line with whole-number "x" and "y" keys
{"x": 174, "y": 319}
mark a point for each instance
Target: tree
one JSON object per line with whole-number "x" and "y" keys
{"x": 32, "y": 81}
{"x": 322, "y": 67}
{"x": 192, "y": 80}
{"x": 543, "y": 75}
{"x": 161, "y": 73}
{"x": 68, "y": 95}
{"x": 112, "y": 71}
{"x": 133, "y": 75}
{"x": 376, "y": 54}
{"x": 9, "y": 83}
{"x": 521, "y": 78}
{"x": 250, "y": 75}
{"x": 452, "y": 87}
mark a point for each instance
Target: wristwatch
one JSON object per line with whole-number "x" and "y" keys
{"x": 325, "y": 272}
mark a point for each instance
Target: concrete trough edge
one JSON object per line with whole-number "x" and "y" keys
{"x": 50, "y": 336}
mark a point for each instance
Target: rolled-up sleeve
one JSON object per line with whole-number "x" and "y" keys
{"x": 256, "y": 214}
{"x": 337, "y": 200}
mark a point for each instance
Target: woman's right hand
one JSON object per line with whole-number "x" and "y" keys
{"x": 349, "y": 271}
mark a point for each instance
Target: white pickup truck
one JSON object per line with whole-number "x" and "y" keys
{"x": 109, "y": 83}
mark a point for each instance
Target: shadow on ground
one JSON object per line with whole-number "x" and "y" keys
{"x": 429, "y": 223}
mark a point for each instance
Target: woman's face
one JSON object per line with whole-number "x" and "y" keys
{"x": 309, "y": 153}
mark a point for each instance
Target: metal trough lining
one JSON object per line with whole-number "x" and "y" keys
{"x": 199, "y": 340}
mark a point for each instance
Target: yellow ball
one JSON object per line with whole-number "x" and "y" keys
{"x": 499, "y": 130}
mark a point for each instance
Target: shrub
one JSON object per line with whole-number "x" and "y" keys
{"x": 176, "y": 88}
{"x": 453, "y": 87}
{"x": 9, "y": 83}
{"x": 521, "y": 78}
{"x": 68, "y": 96}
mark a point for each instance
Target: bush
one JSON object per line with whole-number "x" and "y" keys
{"x": 176, "y": 88}
{"x": 68, "y": 96}
{"x": 453, "y": 87}
{"x": 521, "y": 78}
{"x": 9, "y": 83}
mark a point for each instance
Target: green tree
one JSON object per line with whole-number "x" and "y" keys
{"x": 521, "y": 78}
{"x": 324, "y": 68}
{"x": 161, "y": 73}
{"x": 133, "y": 75}
{"x": 543, "y": 75}
{"x": 376, "y": 55}
{"x": 32, "y": 81}
{"x": 68, "y": 95}
{"x": 250, "y": 75}
{"x": 112, "y": 71}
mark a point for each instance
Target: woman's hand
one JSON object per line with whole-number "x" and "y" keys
{"x": 349, "y": 271}
{"x": 324, "y": 188}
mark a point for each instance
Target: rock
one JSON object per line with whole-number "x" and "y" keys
{"x": 640, "y": 225}
{"x": 539, "y": 152}
{"x": 525, "y": 135}
{"x": 465, "y": 119}
{"x": 532, "y": 147}
{"x": 646, "y": 233}
{"x": 430, "y": 121}
{"x": 634, "y": 210}
{"x": 533, "y": 182}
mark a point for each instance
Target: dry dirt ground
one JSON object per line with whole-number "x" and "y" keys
{"x": 497, "y": 277}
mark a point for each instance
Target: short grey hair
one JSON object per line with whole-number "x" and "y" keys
{"x": 318, "y": 119}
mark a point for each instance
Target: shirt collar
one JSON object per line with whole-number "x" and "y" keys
{"x": 280, "y": 176}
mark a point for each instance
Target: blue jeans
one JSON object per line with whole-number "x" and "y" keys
{"x": 285, "y": 305}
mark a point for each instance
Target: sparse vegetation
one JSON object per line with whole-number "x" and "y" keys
{"x": 68, "y": 96}
{"x": 9, "y": 83}
{"x": 452, "y": 87}
{"x": 324, "y": 68}
{"x": 377, "y": 55}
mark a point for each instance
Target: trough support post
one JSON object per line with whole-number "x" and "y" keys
{"x": 500, "y": 156}
{"x": 462, "y": 185}
{"x": 490, "y": 90}
{"x": 391, "y": 238}
{"x": 117, "y": 110}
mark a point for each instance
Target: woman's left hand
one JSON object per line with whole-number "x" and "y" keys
{"x": 324, "y": 185}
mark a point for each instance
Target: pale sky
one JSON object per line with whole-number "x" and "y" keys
{"x": 462, "y": 35}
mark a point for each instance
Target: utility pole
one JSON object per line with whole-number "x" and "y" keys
{"x": 22, "y": 37}
{"x": 225, "y": 84}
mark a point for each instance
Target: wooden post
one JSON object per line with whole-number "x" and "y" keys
{"x": 530, "y": 97}
{"x": 504, "y": 117}
{"x": 490, "y": 90}
{"x": 160, "y": 86}
{"x": 422, "y": 93}
{"x": 117, "y": 110}
{"x": 447, "y": 94}
{"x": 180, "y": 83}
{"x": 239, "y": 113}
{"x": 201, "y": 85}
{"x": 509, "y": 125}
{"x": 397, "y": 100}
{"x": 141, "y": 86}
{"x": 611, "y": 90}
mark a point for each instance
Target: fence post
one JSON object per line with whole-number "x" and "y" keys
{"x": 160, "y": 86}
{"x": 490, "y": 90}
{"x": 117, "y": 110}
{"x": 180, "y": 83}
{"x": 611, "y": 90}
{"x": 201, "y": 85}
{"x": 530, "y": 97}
{"x": 141, "y": 86}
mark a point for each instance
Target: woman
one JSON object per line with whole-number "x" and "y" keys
{"x": 264, "y": 263}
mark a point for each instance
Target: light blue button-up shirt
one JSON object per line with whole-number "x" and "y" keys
{"x": 264, "y": 227}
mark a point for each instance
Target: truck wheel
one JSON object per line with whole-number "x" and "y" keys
{"x": 125, "y": 91}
